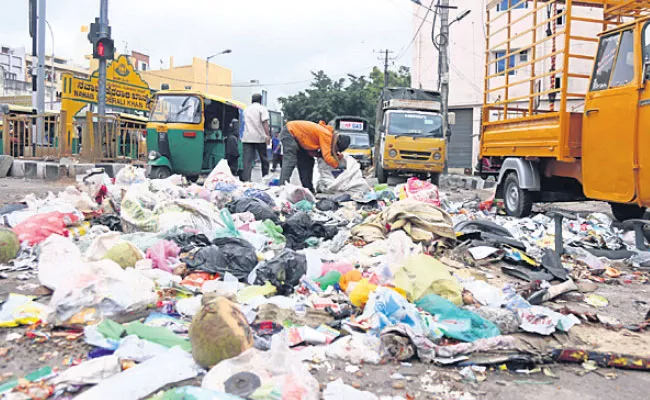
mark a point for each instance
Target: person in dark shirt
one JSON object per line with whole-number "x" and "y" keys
{"x": 232, "y": 147}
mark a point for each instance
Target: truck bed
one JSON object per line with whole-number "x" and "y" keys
{"x": 536, "y": 136}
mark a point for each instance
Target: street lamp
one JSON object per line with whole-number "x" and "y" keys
{"x": 460, "y": 16}
{"x": 207, "y": 64}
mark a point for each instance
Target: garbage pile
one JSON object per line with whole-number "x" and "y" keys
{"x": 247, "y": 288}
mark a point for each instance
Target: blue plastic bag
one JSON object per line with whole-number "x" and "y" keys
{"x": 456, "y": 322}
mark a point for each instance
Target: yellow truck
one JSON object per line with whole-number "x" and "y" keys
{"x": 570, "y": 120}
{"x": 409, "y": 135}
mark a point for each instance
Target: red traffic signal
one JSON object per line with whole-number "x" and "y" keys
{"x": 104, "y": 48}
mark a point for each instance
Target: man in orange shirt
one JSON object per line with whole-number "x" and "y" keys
{"x": 304, "y": 140}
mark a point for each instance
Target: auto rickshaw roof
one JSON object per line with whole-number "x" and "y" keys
{"x": 223, "y": 100}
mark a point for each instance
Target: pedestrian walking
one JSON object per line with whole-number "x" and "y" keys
{"x": 302, "y": 141}
{"x": 256, "y": 136}
{"x": 232, "y": 147}
{"x": 277, "y": 152}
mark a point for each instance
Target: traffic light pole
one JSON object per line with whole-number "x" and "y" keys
{"x": 103, "y": 32}
{"x": 40, "y": 75}
{"x": 444, "y": 72}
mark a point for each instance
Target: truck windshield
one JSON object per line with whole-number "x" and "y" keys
{"x": 177, "y": 108}
{"x": 415, "y": 124}
{"x": 358, "y": 141}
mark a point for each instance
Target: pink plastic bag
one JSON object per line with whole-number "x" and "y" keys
{"x": 342, "y": 267}
{"x": 163, "y": 254}
{"x": 423, "y": 191}
{"x": 39, "y": 227}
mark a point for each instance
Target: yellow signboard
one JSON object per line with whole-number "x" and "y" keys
{"x": 125, "y": 89}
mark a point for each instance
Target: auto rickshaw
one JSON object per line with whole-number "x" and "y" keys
{"x": 361, "y": 142}
{"x": 187, "y": 130}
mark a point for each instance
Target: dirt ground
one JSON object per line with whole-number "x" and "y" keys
{"x": 628, "y": 302}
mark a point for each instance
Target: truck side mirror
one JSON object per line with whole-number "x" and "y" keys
{"x": 646, "y": 70}
{"x": 382, "y": 128}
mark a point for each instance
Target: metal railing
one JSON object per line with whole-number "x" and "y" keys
{"x": 112, "y": 138}
{"x": 21, "y": 139}
{"x": 559, "y": 59}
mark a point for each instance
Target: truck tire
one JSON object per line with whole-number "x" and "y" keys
{"x": 382, "y": 176}
{"x": 624, "y": 212}
{"x": 160, "y": 172}
{"x": 435, "y": 179}
{"x": 517, "y": 201}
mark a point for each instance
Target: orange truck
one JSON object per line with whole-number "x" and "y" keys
{"x": 566, "y": 111}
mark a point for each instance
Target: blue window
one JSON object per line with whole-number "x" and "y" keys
{"x": 501, "y": 64}
{"x": 503, "y": 5}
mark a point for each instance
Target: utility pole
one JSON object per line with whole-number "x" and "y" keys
{"x": 103, "y": 32}
{"x": 32, "y": 33}
{"x": 385, "y": 60}
{"x": 40, "y": 88}
{"x": 444, "y": 67}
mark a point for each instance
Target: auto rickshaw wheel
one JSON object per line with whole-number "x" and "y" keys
{"x": 160, "y": 172}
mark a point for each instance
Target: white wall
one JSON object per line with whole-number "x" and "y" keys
{"x": 467, "y": 52}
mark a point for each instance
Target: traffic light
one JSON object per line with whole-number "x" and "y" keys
{"x": 103, "y": 48}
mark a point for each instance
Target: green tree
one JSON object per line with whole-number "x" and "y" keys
{"x": 326, "y": 98}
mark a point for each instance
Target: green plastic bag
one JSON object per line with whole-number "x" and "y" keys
{"x": 229, "y": 230}
{"x": 273, "y": 231}
{"x": 304, "y": 205}
{"x": 456, "y": 322}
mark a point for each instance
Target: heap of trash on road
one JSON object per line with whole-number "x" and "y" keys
{"x": 245, "y": 290}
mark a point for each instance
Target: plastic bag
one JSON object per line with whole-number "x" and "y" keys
{"x": 130, "y": 175}
{"x": 360, "y": 292}
{"x": 220, "y": 174}
{"x": 350, "y": 181}
{"x": 283, "y": 271}
{"x": 234, "y": 255}
{"x": 456, "y": 322}
{"x": 90, "y": 372}
{"x": 356, "y": 349}
{"x": 260, "y": 209}
{"x": 299, "y": 227}
{"x": 259, "y": 194}
{"x": 39, "y": 227}
{"x": 304, "y": 206}
{"x": 294, "y": 194}
{"x": 230, "y": 230}
{"x": 21, "y": 310}
{"x": 271, "y": 230}
{"x": 280, "y": 371}
{"x": 422, "y": 191}
{"x": 422, "y": 274}
{"x": 338, "y": 390}
{"x": 164, "y": 254}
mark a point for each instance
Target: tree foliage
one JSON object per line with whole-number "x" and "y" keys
{"x": 326, "y": 98}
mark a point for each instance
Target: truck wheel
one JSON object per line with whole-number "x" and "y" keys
{"x": 435, "y": 179}
{"x": 624, "y": 212}
{"x": 518, "y": 202}
{"x": 160, "y": 173}
{"x": 382, "y": 176}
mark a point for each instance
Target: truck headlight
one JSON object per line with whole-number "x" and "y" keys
{"x": 437, "y": 156}
{"x": 392, "y": 153}
{"x": 153, "y": 155}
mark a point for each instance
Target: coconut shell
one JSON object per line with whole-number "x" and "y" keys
{"x": 219, "y": 331}
{"x": 124, "y": 254}
{"x": 9, "y": 245}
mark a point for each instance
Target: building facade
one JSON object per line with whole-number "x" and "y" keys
{"x": 467, "y": 69}
{"x": 192, "y": 77}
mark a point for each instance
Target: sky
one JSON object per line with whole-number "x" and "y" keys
{"x": 273, "y": 41}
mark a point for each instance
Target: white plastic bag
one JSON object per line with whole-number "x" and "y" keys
{"x": 356, "y": 349}
{"x": 90, "y": 372}
{"x": 349, "y": 181}
{"x": 338, "y": 390}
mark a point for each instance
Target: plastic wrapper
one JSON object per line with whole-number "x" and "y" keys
{"x": 21, "y": 310}
{"x": 283, "y": 271}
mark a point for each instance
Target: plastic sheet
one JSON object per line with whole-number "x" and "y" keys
{"x": 137, "y": 382}
{"x": 455, "y": 322}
